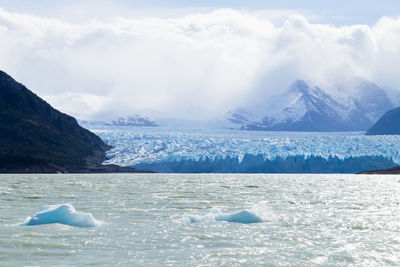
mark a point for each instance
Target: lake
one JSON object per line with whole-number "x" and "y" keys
{"x": 146, "y": 220}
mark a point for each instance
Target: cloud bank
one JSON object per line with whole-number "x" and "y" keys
{"x": 196, "y": 66}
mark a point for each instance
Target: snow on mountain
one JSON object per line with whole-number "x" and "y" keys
{"x": 356, "y": 105}
{"x": 90, "y": 123}
{"x": 135, "y": 120}
{"x": 364, "y": 98}
{"x": 394, "y": 96}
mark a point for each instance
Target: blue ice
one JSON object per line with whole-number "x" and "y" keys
{"x": 215, "y": 215}
{"x": 162, "y": 149}
{"x": 63, "y": 214}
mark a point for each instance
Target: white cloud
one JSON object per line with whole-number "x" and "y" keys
{"x": 199, "y": 65}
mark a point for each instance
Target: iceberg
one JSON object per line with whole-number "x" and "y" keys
{"x": 215, "y": 215}
{"x": 63, "y": 214}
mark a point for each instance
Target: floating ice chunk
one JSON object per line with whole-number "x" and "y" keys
{"x": 64, "y": 214}
{"x": 215, "y": 215}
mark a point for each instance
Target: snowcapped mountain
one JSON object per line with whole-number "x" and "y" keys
{"x": 89, "y": 123}
{"x": 356, "y": 105}
{"x": 366, "y": 101}
{"x": 134, "y": 120}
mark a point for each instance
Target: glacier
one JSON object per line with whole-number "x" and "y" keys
{"x": 63, "y": 214}
{"x": 163, "y": 149}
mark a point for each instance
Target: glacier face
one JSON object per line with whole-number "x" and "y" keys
{"x": 188, "y": 150}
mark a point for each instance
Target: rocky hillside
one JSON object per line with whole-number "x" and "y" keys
{"x": 34, "y": 137}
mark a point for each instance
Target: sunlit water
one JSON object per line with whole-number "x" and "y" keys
{"x": 309, "y": 220}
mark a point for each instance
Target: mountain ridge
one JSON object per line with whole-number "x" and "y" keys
{"x": 35, "y": 137}
{"x": 306, "y": 108}
{"x": 388, "y": 124}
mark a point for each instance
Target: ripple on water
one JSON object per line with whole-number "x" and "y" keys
{"x": 325, "y": 220}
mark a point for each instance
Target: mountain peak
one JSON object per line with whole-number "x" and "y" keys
{"x": 302, "y": 87}
{"x": 309, "y": 108}
{"x": 299, "y": 86}
{"x": 3, "y": 74}
{"x": 8, "y": 83}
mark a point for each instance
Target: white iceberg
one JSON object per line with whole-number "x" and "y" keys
{"x": 63, "y": 214}
{"x": 215, "y": 215}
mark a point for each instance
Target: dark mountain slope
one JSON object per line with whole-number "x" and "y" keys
{"x": 389, "y": 123}
{"x": 34, "y": 137}
{"x": 390, "y": 171}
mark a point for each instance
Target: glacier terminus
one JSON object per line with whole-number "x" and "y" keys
{"x": 162, "y": 149}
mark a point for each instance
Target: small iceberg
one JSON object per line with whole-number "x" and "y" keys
{"x": 64, "y": 214}
{"x": 215, "y": 215}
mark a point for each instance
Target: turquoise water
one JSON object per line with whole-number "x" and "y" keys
{"x": 145, "y": 220}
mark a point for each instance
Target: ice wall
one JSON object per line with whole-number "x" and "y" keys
{"x": 171, "y": 150}
{"x": 257, "y": 164}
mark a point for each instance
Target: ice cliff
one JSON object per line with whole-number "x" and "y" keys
{"x": 171, "y": 150}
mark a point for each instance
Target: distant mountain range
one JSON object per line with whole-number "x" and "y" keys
{"x": 134, "y": 120}
{"x": 351, "y": 105}
{"x": 305, "y": 108}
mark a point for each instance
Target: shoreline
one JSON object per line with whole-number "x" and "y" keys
{"x": 53, "y": 169}
{"x": 394, "y": 170}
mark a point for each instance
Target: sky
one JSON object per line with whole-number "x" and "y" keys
{"x": 192, "y": 59}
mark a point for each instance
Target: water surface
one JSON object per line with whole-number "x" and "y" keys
{"x": 309, "y": 220}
